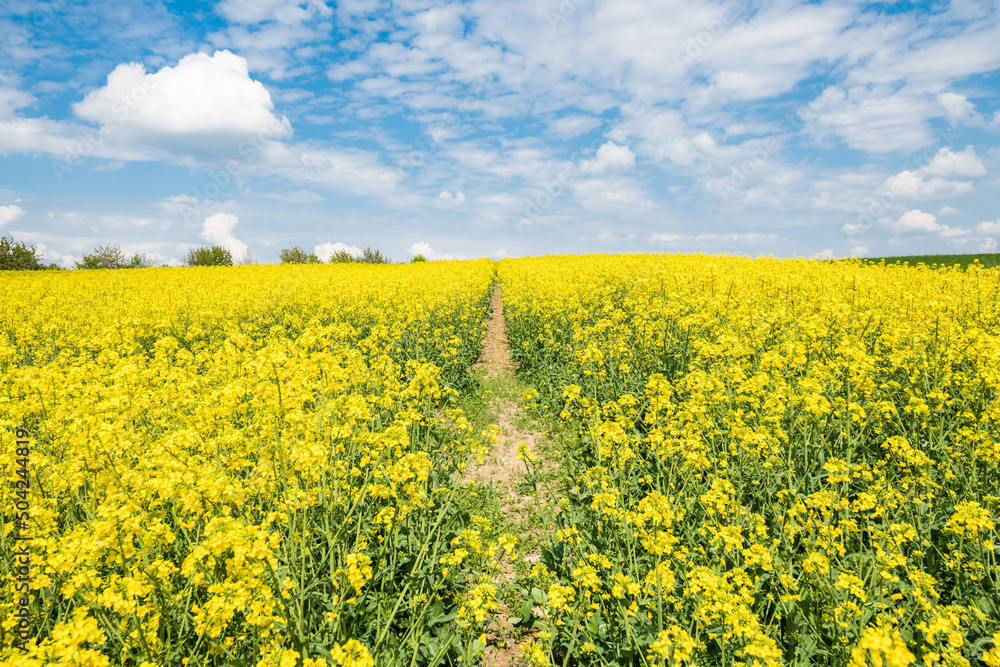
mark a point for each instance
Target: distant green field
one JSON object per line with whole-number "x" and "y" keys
{"x": 987, "y": 260}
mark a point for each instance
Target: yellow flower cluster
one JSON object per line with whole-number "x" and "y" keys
{"x": 249, "y": 465}
{"x": 777, "y": 461}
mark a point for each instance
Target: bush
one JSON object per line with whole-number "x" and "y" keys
{"x": 343, "y": 257}
{"x": 368, "y": 256}
{"x": 20, "y": 257}
{"x": 297, "y": 255}
{"x": 418, "y": 258}
{"x": 214, "y": 256}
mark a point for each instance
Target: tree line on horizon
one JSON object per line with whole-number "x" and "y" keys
{"x": 17, "y": 256}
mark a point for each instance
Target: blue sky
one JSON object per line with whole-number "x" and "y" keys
{"x": 500, "y": 128}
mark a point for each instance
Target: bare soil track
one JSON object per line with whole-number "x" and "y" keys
{"x": 502, "y": 470}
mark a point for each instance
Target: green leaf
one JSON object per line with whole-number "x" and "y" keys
{"x": 443, "y": 619}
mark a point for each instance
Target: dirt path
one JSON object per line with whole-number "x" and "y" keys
{"x": 521, "y": 503}
{"x": 502, "y": 468}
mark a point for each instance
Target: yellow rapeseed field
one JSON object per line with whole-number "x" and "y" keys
{"x": 763, "y": 462}
{"x": 774, "y": 462}
{"x": 243, "y": 466}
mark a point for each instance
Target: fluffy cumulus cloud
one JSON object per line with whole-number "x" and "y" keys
{"x": 958, "y": 107}
{"x": 428, "y": 252}
{"x": 936, "y": 179}
{"x": 610, "y": 158}
{"x": 327, "y": 250}
{"x": 919, "y": 222}
{"x": 947, "y": 163}
{"x": 9, "y": 213}
{"x": 915, "y": 222}
{"x": 218, "y": 230}
{"x": 917, "y": 185}
{"x": 203, "y": 101}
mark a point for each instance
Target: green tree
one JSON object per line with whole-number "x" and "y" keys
{"x": 370, "y": 256}
{"x": 141, "y": 260}
{"x": 297, "y": 255}
{"x": 112, "y": 257}
{"x": 20, "y": 257}
{"x": 418, "y": 258}
{"x": 103, "y": 257}
{"x": 205, "y": 256}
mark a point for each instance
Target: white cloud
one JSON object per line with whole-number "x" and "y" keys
{"x": 948, "y": 163}
{"x": 12, "y": 99}
{"x": 283, "y": 11}
{"x": 354, "y": 170}
{"x": 988, "y": 245}
{"x": 731, "y": 238}
{"x": 932, "y": 180}
{"x": 823, "y": 254}
{"x": 958, "y": 108}
{"x": 853, "y": 229}
{"x": 218, "y": 230}
{"x": 915, "y": 222}
{"x": 457, "y": 198}
{"x": 428, "y": 252}
{"x": 573, "y": 125}
{"x": 860, "y": 251}
{"x": 326, "y": 250}
{"x": 203, "y": 102}
{"x": 610, "y": 157}
{"x": 985, "y": 228}
{"x": 609, "y": 237}
{"x": 948, "y": 210}
{"x": 282, "y": 48}
{"x": 49, "y": 256}
{"x": 928, "y": 56}
{"x": 914, "y": 184}
{"x": 873, "y": 119}
{"x": 662, "y": 134}
{"x": 499, "y": 253}
{"x": 9, "y": 214}
{"x": 619, "y": 194}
